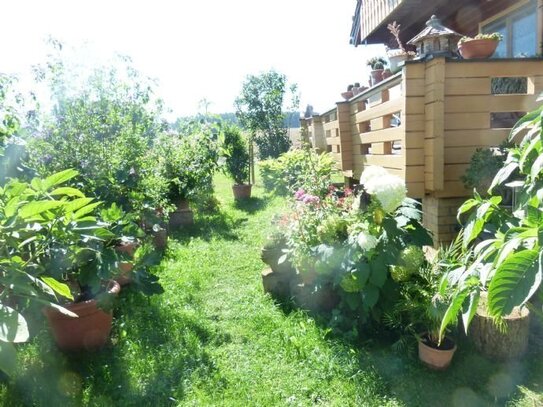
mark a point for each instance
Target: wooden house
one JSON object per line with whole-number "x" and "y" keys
{"x": 425, "y": 122}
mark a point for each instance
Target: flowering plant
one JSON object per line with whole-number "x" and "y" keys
{"x": 358, "y": 241}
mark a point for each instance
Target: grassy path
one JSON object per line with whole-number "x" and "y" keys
{"x": 214, "y": 339}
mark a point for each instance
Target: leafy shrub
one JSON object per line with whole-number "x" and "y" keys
{"x": 298, "y": 169}
{"x": 353, "y": 241}
{"x": 484, "y": 165}
{"x": 182, "y": 166}
{"x": 237, "y": 154}
{"x": 508, "y": 263}
{"x": 102, "y": 126}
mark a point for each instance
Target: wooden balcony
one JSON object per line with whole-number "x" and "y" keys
{"x": 425, "y": 123}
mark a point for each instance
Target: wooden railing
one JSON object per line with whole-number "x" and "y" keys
{"x": 425, "y": 123}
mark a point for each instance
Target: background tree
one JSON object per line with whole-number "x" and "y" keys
{"x": 259, "y": 109}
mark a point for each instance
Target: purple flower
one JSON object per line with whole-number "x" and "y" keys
{"x": 299, "y": 194}
{"x": 310, "y": 199}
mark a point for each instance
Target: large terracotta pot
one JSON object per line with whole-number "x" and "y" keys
{"x": 347, "y": 94}
{"x": 483, "y": 48}
{"x": 183, "y": 216}
{"x": 376, "y": 76}
{"x": 89, "y": 331}
{"x": 434, "y": 357}
{"x": 124, "y": 277}
{"x": 241, "y": 191}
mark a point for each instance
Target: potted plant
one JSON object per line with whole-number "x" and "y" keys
{"x": 237, "y": 161}
{"x": 506, "y": 266}
{"x": 349, "y": 93}
{"x": 480, "y": 46}
{"x": 419, "y": 310}
{"x": 346, "y": 243}
{"x": 377, "y": 65}
{"x": 397, "y": 56}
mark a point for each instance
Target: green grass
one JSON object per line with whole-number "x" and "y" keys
{"x": 214, "y": 339}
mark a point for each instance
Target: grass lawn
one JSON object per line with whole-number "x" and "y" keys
{"x": 214, "y": 339}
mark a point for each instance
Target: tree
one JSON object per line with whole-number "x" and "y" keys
{"x": 259, "y": 109}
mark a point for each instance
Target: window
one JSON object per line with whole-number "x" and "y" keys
{"x": 519, "y": 30}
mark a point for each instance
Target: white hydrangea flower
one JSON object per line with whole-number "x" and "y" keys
{"x": 371, "y": 172}
{"x": 366, "y": 241}
{"x": 389, "y": 190}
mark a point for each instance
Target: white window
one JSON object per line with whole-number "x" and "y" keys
{"x": 519, "y": 30}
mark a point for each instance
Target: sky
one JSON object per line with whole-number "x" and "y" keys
{"x": 201, "y": 48}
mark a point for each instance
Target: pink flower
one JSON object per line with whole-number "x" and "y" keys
{"x": 299, "y": 194}
{"x": 310, "y": 199}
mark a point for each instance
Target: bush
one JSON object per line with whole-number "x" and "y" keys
{"x": 181, "y": 167}
{"x": 298, "y": 169}
{"x": 102, "y": 127}
{"x": 365, "y": 246}
{"x": 237, "y": 154}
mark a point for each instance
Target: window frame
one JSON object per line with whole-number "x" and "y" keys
{"x": 507, "y": 16}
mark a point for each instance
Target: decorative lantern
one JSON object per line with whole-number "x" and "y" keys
{"x": 435, "y": 39}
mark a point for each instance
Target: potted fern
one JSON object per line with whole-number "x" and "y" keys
{"x": 237, "y": 161}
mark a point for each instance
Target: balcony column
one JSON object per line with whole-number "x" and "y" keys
{"x": 345, "y": 137}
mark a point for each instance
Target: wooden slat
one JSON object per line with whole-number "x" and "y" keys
{"x": 467, "y": 138}
{"x": 384, "y": 109}
{"x": 490, "y": 103}
{"x": 467, "y": 86}
{"x": 390, "y": 134}
{"x": 486, "y": 69}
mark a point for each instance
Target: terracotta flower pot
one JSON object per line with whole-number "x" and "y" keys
{"x": 434, "y": 357}
{"x": 376, "y": 76}
{"x": 483, "y": 48}
{"x": 124, "y": 276}
{"x": 242, "y": 191}
{"x": 347, "y": 94}
{"x": 89, "y": 331}
{"x": 183, "y": 216}
{"x": 160, "y": 239}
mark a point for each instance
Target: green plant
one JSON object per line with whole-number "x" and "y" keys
{"x": 491, "y": 36}
{"x": 182, "y": 166}
{"x": 377, "y": 63}
{"x": 420, "y": 307}
{"x": 508, "y": 263}
{"x": 298, "y": 169}
{"x": 259, "y": 109}
{"x": 237, "y": 154}
{"x": 484, "y": 165}
{"x": 102, "y": 124}
{"x": 48, "y": 232}
{"x": 353, "y": 241}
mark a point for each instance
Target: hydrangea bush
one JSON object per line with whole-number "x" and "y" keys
{"x": 362, "y": 243}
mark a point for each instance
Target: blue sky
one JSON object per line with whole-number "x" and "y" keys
{"x": 199, "y": 49}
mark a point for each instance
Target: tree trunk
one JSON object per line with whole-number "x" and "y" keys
{"x": 499, "y": 344}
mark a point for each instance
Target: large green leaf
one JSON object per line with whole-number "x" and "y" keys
{"x": 76, "y": 204}
{"x": 503, "y": 175}
{"x": 36, "y": 207}
{"x": 8, "y": 358}
{"x": 59, "y": 178}
{"x": 371, "y": 296}
{"x": 514, "y": 282}
{"x": 470, "y": 308}
{"x": 68, "y": 191}
{"x": 58, "y": 287}
{"x": 451, "y": 315}
{"x": 379, "y": 271}
{"x": 13, "y": 326}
